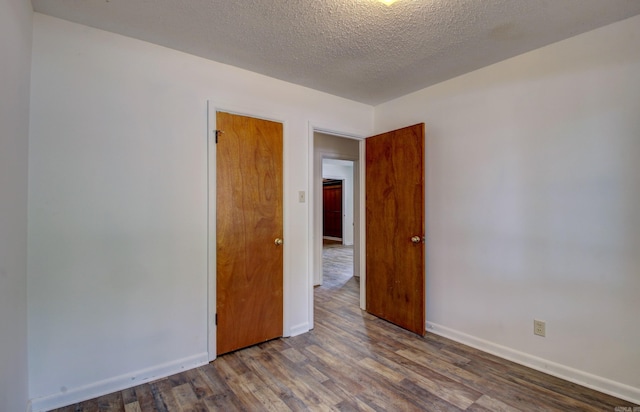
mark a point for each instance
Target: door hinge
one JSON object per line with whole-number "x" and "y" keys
{"x": 216, "y": 319}
{"x": 218, "y": 133}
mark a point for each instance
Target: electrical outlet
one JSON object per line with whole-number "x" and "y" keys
{"x": 539, "y": 328}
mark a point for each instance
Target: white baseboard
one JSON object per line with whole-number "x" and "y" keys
{"x": 299, "y": 329}
{"x": 115, "y": 384}
{"x": 617, "y": 389}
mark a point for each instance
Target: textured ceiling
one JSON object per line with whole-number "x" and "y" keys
{"x": 358, "y": 49}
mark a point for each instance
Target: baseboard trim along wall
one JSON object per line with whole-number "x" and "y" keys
{"x": 579, "y": 377}
{"x": 118, "y": 383}
{"x": 299, "y": 329}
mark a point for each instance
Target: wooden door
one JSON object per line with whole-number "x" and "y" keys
{"x": 395, "y": 279}
{"x": 249, "y": 285}
{"x": 332, "y": 210}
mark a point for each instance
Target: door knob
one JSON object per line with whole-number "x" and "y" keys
{"x": 278, "y": 241}
{"x": 416, "y": 239}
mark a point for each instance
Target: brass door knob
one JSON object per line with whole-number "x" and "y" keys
{"x": 416, "y": 239}
{"x": 278, "y": 241}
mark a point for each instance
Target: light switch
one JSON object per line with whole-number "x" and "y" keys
{"x": 302, "y": 197}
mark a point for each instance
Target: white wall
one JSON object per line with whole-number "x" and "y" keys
{"x": 342, "y": 170}
{"x": 533, "y": 200}
{"x": 118, "y": 204}
{"x": 15, "y": 63}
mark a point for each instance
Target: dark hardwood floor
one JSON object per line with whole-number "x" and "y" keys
{"x": 352, "y": 361}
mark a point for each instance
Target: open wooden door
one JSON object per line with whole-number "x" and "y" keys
{"x": 249, "y": 277}
{"x": 395, "y": 281}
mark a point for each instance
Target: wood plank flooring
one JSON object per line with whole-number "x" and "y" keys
{"x": 352, "y": 361}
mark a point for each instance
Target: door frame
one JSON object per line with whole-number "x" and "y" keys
{"x": 212, "y": 109}
{"x": 315, "y": 209}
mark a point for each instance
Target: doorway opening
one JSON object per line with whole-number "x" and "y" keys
{"x": 337, "y": 222}
{"x": 336, "y": 236}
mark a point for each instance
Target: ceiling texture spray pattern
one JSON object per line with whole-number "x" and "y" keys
{"x": 362, "y": 50}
